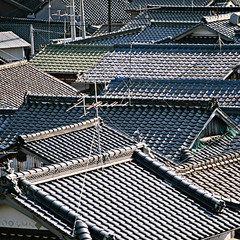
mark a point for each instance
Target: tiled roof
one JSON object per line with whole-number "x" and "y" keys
{"x": 165, "y": 62}
{"x": 104, "y": 29}
{"x": 164, "y": 125}
{"x": 155, "y": 32}
{"x": 20, "y": 77}
{"x": 69, "y": 58}
{"x": 138, "y": 5}
{"x": 20, "y": 8}
{"x": 21, "y": 27}
{"x": 128, "y": 200}
{"x": 176, "y": 14}
{"x": 96, "y": 11}
{"x": 215, "y": 167}
{"x": 74, "y": 141}
{"x": 213, "y": 26}
{"x": 226, "y": 92}
{"x": 225, "y": 28}
{"x": 4, "y": 118}
{"x": 162, "y": 15}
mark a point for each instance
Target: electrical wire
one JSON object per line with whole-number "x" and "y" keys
{"x": 83, "y": 185}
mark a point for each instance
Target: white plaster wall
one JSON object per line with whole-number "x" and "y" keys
{"x": 12, "y": 54}
{"x": 11, "y": 218}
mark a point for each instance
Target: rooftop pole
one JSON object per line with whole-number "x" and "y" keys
{"x": 72, "y": 17}
{"x": 109, "y": 16}
{"x": 82, "y": 20}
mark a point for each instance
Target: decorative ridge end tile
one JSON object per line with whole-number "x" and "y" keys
{"x": 59, "y": 131}
{"x": 13, "y": 64}
{"x": 69, "y": 168}
{"x": 180, "y": 183}
{"x": 82, "y": 228}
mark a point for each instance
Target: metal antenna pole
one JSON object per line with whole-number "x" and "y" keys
{"x": 32, "y": 39}
{"x": 72, "y": 17}
{"x": 109, "y": 16}
{"x": 82, "y": 20}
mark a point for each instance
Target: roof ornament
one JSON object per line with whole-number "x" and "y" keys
{"x": 213, "y": 104}
{"x": 138, "y": 135}
{"x": 7, "y": 167}
{"x": 8, "y": 183}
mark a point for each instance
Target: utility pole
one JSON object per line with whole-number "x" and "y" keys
{"x": 72, "y": 17}
{"x": 109, "y": 16}
{"x": 82, "y": 20}
{"x": 32, "y": 39}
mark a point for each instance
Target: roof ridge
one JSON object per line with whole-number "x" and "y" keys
{"x": 208, "y": 104}
{"x": 82, "y": 227}
{"x": 69, "y": 168}
{"x": 13, "y": 64}
{"x": 180, "y": 183}
{"x": 220, "y": 17}
{"x": 174, "y": 45}
{"x": 59, "y": 131}
{"x": 108, "y": 35}
{"x": 30, "y": 98}
{"x": 206, "y": 163}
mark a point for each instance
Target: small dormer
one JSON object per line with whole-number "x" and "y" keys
{"x": 218, "y": 125}
{"x": 235, "y": 18}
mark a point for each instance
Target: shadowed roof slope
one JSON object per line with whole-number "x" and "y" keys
{"x": 96, "y": 11}
{"x": 20, "y": 77}
{"x": 141, "y": 4}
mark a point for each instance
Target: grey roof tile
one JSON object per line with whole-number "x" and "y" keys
{"x": 20, "y": 77}
{"x": 96, "y": 11}
{"x": 165, "y": 125}
{"x": 165, "y": 62}
{"x": 226, "y": 92}
{"x": 74, "y": 141}
{"x": 141, "y": 4}
{"x": 130, "y": 200}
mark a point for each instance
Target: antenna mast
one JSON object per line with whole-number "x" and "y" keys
{"x": 109, "y": 16}
{"x": 72, "y": 17}
{"x": 82, "y": 20}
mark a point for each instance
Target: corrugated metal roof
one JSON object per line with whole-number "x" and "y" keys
{"x": 11, "y": 40}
